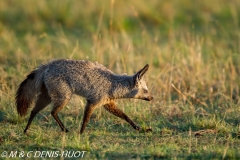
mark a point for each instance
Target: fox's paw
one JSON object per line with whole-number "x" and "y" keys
{"x": 25, "y": 131}
{"x": 137, "y": 128}
{"x": 65, "y": 130}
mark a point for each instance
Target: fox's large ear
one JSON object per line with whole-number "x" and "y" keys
{"x": 140, "y": 73}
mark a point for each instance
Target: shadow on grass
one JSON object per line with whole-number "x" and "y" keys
{"x": 2, "y": 116}
{"x": 116, "y": 155}
{"x": 211, "y": 155}
{"x": 5, "y": 119}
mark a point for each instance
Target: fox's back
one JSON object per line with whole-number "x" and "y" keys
{"x": 80, "y": 76}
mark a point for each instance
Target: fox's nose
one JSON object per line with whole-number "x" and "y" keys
{"x": 149, "y": 98}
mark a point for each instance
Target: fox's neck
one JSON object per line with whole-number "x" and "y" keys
{"x": 122, "y": 86}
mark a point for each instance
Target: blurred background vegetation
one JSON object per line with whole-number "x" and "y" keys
{"x": 191, "y": 41}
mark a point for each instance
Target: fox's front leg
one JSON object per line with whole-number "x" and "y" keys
{"x": 112, "y": 108}
{"x": 89, "y": 108}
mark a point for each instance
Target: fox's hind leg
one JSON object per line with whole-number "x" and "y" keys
{"x": 60, "y": 94}
{"x": 42, "y": 101}
{"x": 57, "y": 106}
{"x": 112, "y": 108}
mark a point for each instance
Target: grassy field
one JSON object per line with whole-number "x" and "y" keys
{"x": 193, "y": 49}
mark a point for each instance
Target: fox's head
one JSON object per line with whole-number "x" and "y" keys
{"x": 140, "y": 85}
{"x": 139, "y": 89}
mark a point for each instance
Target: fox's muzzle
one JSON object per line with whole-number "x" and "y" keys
{"x": 149, "y": 98}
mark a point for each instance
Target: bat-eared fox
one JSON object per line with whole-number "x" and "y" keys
{"x": 56, "y": 82}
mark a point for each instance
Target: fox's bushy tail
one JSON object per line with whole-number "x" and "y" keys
{"x": 28, "y": 90}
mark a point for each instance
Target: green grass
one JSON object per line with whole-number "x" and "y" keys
{"x": 193, "y": 49}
